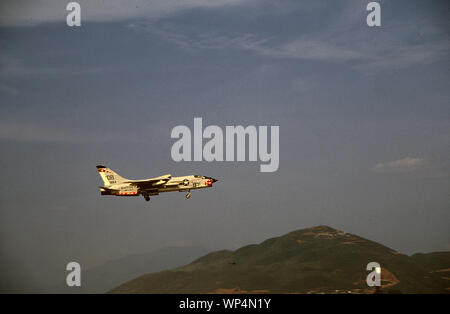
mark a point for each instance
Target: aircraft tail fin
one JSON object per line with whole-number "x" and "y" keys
{"x": 108, "y": 176}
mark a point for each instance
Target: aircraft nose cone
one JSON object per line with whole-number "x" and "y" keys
{"x": 214, "y": 180}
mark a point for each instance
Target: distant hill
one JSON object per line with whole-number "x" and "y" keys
{"x": 107, "y": 276}
{"x": 315, "y": 260}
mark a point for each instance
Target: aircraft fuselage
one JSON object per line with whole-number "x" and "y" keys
{"x": 118, "y": 186}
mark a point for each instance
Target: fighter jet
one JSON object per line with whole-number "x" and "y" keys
{"x": 119, "y": 186}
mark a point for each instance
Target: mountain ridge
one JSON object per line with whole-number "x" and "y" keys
{"x": 313, "y": 260}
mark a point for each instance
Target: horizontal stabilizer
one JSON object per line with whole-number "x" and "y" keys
{"x": 106, "y": 191}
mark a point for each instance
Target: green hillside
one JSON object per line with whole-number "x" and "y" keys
{"x": 315, "y": 260}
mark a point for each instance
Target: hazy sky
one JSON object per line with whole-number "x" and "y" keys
{"x": 363, "y": 112}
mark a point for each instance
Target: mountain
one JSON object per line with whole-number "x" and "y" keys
{"x": 314, "y": 260}
{"x": 102, "y": 278}
{"x": 436, "y": 263}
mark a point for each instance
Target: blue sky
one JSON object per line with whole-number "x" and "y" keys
{"x": 363, "y": 114}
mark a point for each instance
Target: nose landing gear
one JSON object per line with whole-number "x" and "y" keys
{"x": 188, "y": 195}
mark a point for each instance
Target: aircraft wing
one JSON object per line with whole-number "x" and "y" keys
{"x": 174, "y": 183}
{"x": 150, "y": 183}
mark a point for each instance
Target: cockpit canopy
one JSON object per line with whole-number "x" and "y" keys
{"x": 203, "y": 177}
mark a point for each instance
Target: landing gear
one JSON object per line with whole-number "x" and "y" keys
{"x": 147, "y": 198}
{"x": 188, "y": 195}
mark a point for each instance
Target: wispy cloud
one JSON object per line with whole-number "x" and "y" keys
{"x": 31, "y": 132}
{"x": 202, "y": 40}
{"x": 25, "y": 12}
{"x": 309, "y": 49}
{"x": 345, "y": 39}
{"x": 403, "y": 165}
{"x": 386, "y": 53}
{"x": 13, "y": 67}
{"x": 19, "y": 131}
